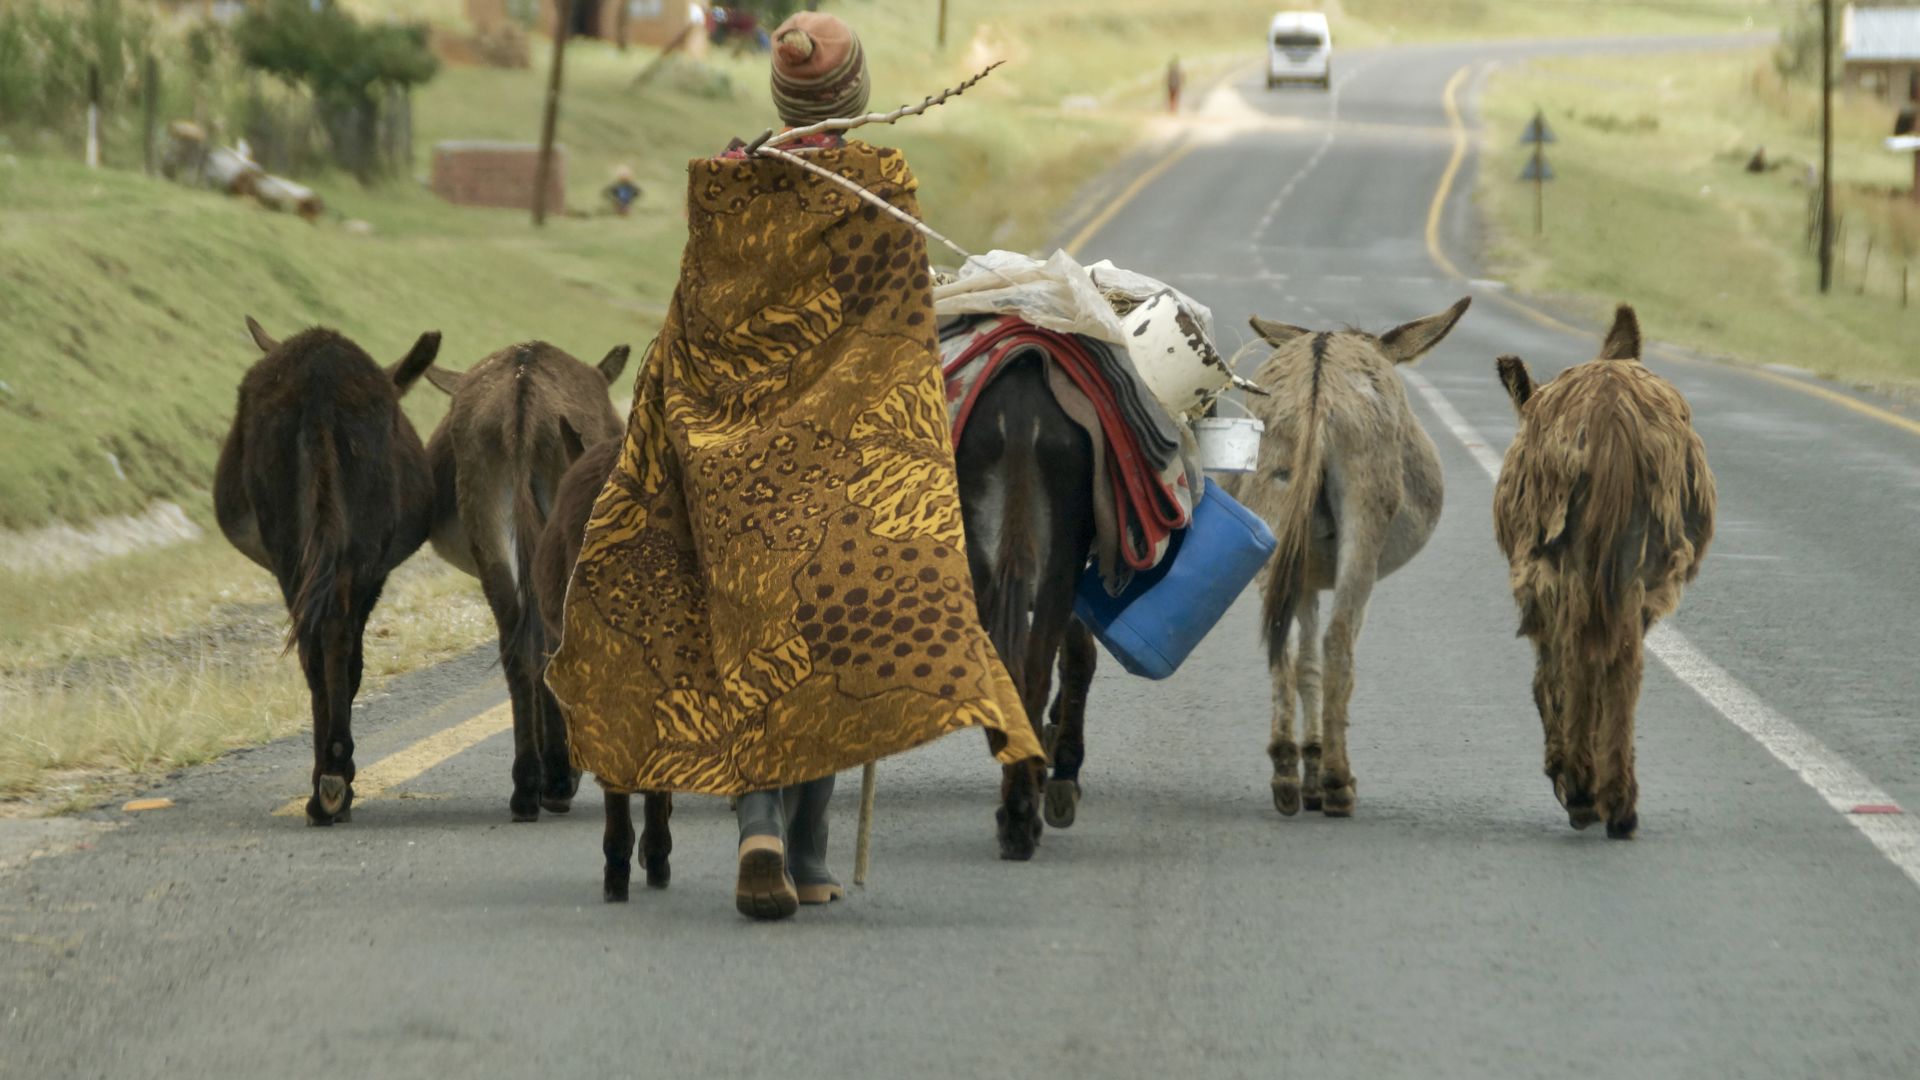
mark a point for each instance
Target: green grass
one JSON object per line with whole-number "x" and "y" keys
{"x": 1653, "y": 205}
{"x": 1416, "y": 20}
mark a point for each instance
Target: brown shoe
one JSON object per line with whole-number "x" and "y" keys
{"x": 764, "y": 890}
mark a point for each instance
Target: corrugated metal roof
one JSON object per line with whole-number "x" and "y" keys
{"x": 1881, "y": 33}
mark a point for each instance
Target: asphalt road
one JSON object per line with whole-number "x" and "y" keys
{"x": 1454, "y": 928}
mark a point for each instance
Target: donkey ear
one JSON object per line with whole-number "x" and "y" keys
{"x": 615, "y": 362}
{"x": 1410, "y": 341}
{"x": 418, "y": 361}
{"x": 260, "y": 336}
{"x": 1623, "y": 341}
{"x": 1517, "y": 379}
{"x": 446, "y": 381}
{"x": 1276, "y": 333}
{"x": 571, "y": 440}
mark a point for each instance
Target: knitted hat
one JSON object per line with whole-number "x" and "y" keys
{"x": 819, "y": 72}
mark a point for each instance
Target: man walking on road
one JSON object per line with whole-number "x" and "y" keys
{"x": 1175, "y": 80}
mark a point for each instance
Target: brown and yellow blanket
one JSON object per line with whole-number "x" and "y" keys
{"x": 774, "y": 584}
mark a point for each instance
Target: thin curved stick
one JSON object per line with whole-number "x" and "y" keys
{"x": 769, "y": 138}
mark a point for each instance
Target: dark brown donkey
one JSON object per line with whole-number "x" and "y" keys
{"x": 552, "y": 566}
{"x": 323, "y": 481}
{"x": 1026, "y": 495}
{"x": 497, "y": 461}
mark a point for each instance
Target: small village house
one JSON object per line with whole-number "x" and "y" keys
{"x": 1880, "y": 50}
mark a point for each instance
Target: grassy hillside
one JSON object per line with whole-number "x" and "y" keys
{"x": 1653, "y": 204}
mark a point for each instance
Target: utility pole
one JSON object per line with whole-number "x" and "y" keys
{"x": 93, "y": 116}
{"x": 563, "y": 22}
{"x": 1826, "y": 144}
{"x": 940, "y": 37}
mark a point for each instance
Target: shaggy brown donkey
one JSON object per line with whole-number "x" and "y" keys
{"x": 1604, "y": 510}
{"x": 497, "y": 461}
{"x": 552, "y": 566}
{"x": 323, "y": 481}
{"x": 1351, "y": 485}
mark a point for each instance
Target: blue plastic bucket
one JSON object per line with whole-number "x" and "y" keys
{"x": 1165, "y": 612}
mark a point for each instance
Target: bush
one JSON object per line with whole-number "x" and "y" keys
{"x": 46, "y": 54}
{"x": 347, "y": 67}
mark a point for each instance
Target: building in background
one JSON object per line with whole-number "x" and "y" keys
{"x": 1879, "y": 50}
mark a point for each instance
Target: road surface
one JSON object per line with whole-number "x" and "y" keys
{"x": 1454, "y": 928}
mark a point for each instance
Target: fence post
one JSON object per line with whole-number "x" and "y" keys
{"x": 1866, "y": 263}
{"x": 93, "y": 116}
{"x": 150, "y": 112}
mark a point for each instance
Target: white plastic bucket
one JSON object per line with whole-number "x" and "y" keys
{"x": 1228, "y": 444}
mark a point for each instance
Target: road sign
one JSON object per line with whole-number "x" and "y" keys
{"x": 1537, "y": 169}
{"x": 1537, "y": 131}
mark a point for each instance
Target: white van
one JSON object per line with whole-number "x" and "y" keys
{"x": 1299, "y": 49}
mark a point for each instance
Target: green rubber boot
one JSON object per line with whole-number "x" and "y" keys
{"x": 764, "y": 890}
{"x": 806, "y": 806}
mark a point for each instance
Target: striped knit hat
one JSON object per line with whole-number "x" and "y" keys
{"x": 819, "y": 72}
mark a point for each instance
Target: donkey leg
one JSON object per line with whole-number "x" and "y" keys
{"x": 1549, "y": 698}
{"x": 496, "y": 582}
{"x": 560, "y": 781}
{"x": 1307, "y": 678}
{"x": 656, "y": 842}
{"x": 1281, "y": 749}
{"x": 1350, "y": 597}
{"x": 616, "y": 843}
{"x": 333, "y": 791}
{"x": 313, "y": 665}
{"x": 1617, "y": 796}
{"x": 1078, "y": 658}
{"x": 1580, "y": 719}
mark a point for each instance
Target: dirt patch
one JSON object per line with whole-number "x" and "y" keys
{"x": 64, "y": 549}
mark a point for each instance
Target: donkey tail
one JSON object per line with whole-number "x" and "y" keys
{"x": 1014, "y": 583}
{"x": 527, "y": 637}
{"x": 322, "y": 581}
{"x": 1293, "y": 533}
{"x": 1609, "y": 521}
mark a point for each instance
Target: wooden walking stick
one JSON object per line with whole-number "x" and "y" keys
{"x": 863, "y": 838}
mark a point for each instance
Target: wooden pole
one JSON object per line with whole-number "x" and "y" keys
{"x": 563, "y": 22}
{"x": 1903, "y": 285}
{"x": 1539, "y": 192}
{"x": 150, "y": 109}
{"x": 1866, "y": 264}
{"x": 863, "y": 838}
{"x": 93, "y": 116}
{"x": 1826, "y": 145}
{"x": 940, "y": 36}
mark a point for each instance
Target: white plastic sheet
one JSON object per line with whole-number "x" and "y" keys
{"x": 1058, "y": 294}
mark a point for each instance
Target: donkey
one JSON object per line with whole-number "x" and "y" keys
{"x": 553, "y": 561}
{"x": 1026, "y": 500}
{"x": 497, "y": 461}
{"x": 1604, "y": 510}
{"x": 1351, "y": 485}
{"x": 323, "y": 481}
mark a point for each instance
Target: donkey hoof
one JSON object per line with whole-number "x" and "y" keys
{"x": 1286, "y": 796}
{"x": 1624, "y": 828}
{"x": 332, "y": 795}
{"x": 1063, "y": 799}
{"x": 614, "y": 889}
{"x": 553, "y": 805}
{"x": 659, "y": 873}
{"x": 1018, "y": 839}
{"x": 524, "y": 807}
{"x": 1580, "y": 811}
{"x": 1337, "y": 801}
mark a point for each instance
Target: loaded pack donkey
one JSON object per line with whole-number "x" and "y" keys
{"x": 497, "y": 460}
{"x": 323, "y": 481}
{"x": 553, "y": 561}
{"x": 1026, "y": 474}
{"x": 1604, "y": 510}
{"x": 1350, "y": 484}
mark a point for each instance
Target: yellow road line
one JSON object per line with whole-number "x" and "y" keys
{"x": 1120, "y": 201}
{"x": 398, "y": 768}
{"x": 1447, "y": 100}
{"x": 1450, "y": 100}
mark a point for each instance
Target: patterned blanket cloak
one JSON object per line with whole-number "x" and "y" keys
{"x": 773, "y": 584}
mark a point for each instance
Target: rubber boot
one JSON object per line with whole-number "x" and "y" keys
{"x": 806, "y": 806}
{"x": 764, "y": 890}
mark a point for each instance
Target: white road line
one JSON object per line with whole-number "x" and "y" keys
{"x": 1871, "y": 810}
